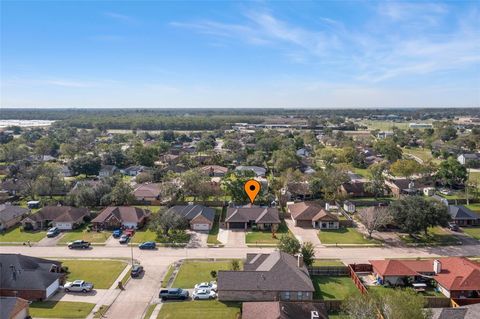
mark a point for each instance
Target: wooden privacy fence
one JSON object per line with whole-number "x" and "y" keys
{"x": 464, "y": 302}
{"x": 356, "y": 280}
{"x": 437, "y": 302}
{"x": 328, "y": 271}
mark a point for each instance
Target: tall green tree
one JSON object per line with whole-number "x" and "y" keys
{"x": 451, "y": 172}
{"x": 289, "y": 245}
{"x": 308, "y": 253}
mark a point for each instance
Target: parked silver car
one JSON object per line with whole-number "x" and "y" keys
{"x": 78, "y": 286}
{"x": 207, "y": 285}
{"x": 203, "y": 294}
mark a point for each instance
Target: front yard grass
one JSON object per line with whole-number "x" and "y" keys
{"x": 333, "y": 287}
{"x": 213, "y": 233}
{"x": 472, "y": 231}
{"x": 167, "y": 276}
{"x": 144, "y": 235}
{"x": 474, "y": 207}
{"x": 60, "y": 309}
{"x": 16, "y": 235}
{"x": 92, "y": 236}
{"x": 327, "y": 263}
{"x": 194, "y": 272}
{"x": 102, "y": 273}
{"x": 436, "y": 236}
{"x": 265, "y": 236}
{"x": 150, "y": 310}
{"x": 205, "y": 309}
{"x": 348, "y": 235}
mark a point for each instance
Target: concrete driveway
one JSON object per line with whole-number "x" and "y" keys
{"x": 45, "y": 242}
{"x": 236, "y": 238}
{"x": 198, "y": 239}
{"x": 304, "y": 234}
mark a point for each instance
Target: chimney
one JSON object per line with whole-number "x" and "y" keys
{"x": 314, "y": 315}
{"x": 437, "y": 266}
{"x": 299, "y": 260}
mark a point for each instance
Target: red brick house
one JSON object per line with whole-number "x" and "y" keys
{"x": 311, "y": 215}
{"x": 121, "y": 216}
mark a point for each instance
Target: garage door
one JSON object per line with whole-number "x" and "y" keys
{"x": 52, "y": 288}
{"x": 236, "y": 225}
{"x": 201, "y": 226}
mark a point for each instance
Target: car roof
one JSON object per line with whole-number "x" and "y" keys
{"x": 78, "y": 281}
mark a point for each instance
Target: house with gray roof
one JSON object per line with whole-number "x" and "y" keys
{"x": 28, "y": 277}
{"x": 463, "y": 216}
{"x": 11, "y": 215}
{"x": 263, "y": 218}
{"x": 199, "y": 217}
{"x": 13, "y": 308}
{"x": 63, "y": 217}
{"x": 266, "y": 277}
{"x": 259, "y": 171}
{"x": 465, "y": 159}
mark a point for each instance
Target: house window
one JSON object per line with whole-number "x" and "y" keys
{"x": 287, "y": 295}
{"x": 299, "y": 295}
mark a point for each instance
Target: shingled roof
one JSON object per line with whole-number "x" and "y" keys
{"x": 461, "y": 212}
{"x": 127, "y": 214}
{"x": 60, "y": 214}
{"x": 267, "y": 215}
{"x": 191, "y": 211}
{"x": 20, "y": 272}
{"x": 309, "y": 211}
{"x": 277, "y": 271}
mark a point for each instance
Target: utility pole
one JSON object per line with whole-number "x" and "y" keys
{"x": 131, "y": 249}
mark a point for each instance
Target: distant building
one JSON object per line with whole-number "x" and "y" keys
{"x": 11, "y": 215}
{"x": 384, "y": 134}
{"x": 467, "y": 158}
{"x": 420, "y": 125}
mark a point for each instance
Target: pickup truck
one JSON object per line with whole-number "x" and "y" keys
{"x": 173, "y": 293}
{"x": 79, "y": 244}
{"x": 78, "y": 286}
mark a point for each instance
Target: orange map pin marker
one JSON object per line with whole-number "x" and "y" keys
{"x": 252, "y": 188}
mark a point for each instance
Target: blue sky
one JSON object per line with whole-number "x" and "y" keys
{"x": 240, "y": 54}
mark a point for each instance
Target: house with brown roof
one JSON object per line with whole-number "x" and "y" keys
{"x": 214, "y": 170}
{"x": 404, "y": 186}
{"x": 284, "y": 310}
{"x": 354, "y": 188}
{"x": 266, "y": 277}
{"x": 114, "y": 217}
{"x": 148, "y": 192}
{"x": 10, "y": 215}
{"x": 13, "y": 308}
{"x": 308, "y": 215}
{"x": 264, "y": 218}
{"x": 63, "y": 217}
{"x": 456, "y": 277}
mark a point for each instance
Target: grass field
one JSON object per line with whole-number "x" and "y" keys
{"x": 328, "y": 263}
{"x": 383, "y": 125}
{"x": 102, "y": 273}
{"x": 213, "y": 233}
{"x": 422, "y": 153}
{"x": 194, "y": 272}
{"x": 472, "y": 231}
{"x": 167, "y": 276}
{"x": 144, "y": 235}
{"x": 15, "y": 235}
{"x": 343, "y": 236}
{"x": 265, "y": 236}
{"x": 436, "y": 236}
{"x": 333, "y": 287}
{"x": 204, "y": 309}
{"x": 83, "y": 234}
{"x": 60, "y": 309}
{"x": 361, "y": 171}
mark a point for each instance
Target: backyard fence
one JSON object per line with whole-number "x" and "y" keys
{"x": 329, "y": 271}
{"x": 464, "y": 302}
{"x": 437, "y": 302}
{"x": 333, "y": 305}
{"x": 353, "y": 268}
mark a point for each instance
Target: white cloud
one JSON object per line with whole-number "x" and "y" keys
{"x": 120, "y": 17}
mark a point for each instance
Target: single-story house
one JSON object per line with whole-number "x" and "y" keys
{"x": 456, "y": 277}
{"x": 199, "y": 217}
{"x": 259, "y": 171}
{"x": 11, "y": 215}
{"x": 403, "y": 186}
{"x": 463, "y": 216}
{"x": 307, "y": 214}
{"x": 215, "y": 170}
{"x": 121, "y": 216}
{"x": 148, "y": 192}
{"x": 284, "y": 310}
{"x": 467, "y": 158}
{"x": 264, "y": 218}
{"x": 63, "y": 217}
{"x": 107, "y": 170}
{"x": 303, "y": 152}
{"x": 133, "y": 170}
{"x": 464, "y": 312}
{"x": 354, "y": 188}
{"x": 266, "y": 277}
{"x": 28, "y": 277}
{"x": 13, "y": 308}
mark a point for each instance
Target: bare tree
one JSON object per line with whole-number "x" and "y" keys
{"x": 375, "y": 218}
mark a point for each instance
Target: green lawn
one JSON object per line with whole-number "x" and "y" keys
{"x": 204, "y": 309}
{"x": 430, "y": 292}
{"x": 422, "y": 153}
{"x": 327, "y": 263}
{"x": 144, "y": 235}
{"x": 194, "y": 272}
{"x": 102, "y": 273}
{"x": 18, "y": 236}
{"x": 344, "y": 236}
{"x": 474, "y": 207}
{"x": 383, "y": 125}
{"x": 265, "y": 237}
{"x": 474, "y": 177}
{"x": 167, "y": 276}
{"x": 213, "y": 233}
{"x": 60, "y": 309}
{"x": 83, "y": 234}
{"x": 333, "y": 287}
{"x": 153, "y": 208}
{"x": 361, "y": 171}
{"x": 472, "y": 231}
{"x": 455, "y": 195}
{"x": 149, "y": 311}
{"x": 436, "y": 236}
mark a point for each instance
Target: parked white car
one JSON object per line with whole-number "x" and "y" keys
{"x": 202, "y": 294}
{"x": 446, "y": 191}
{"x": 207, "y": 285}
{"x": 78, "y": 286}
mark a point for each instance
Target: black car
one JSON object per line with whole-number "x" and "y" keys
{"x": 136, "y": 271}
{"x": 79, "y": 244}
{"x": 173, "y": 293}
